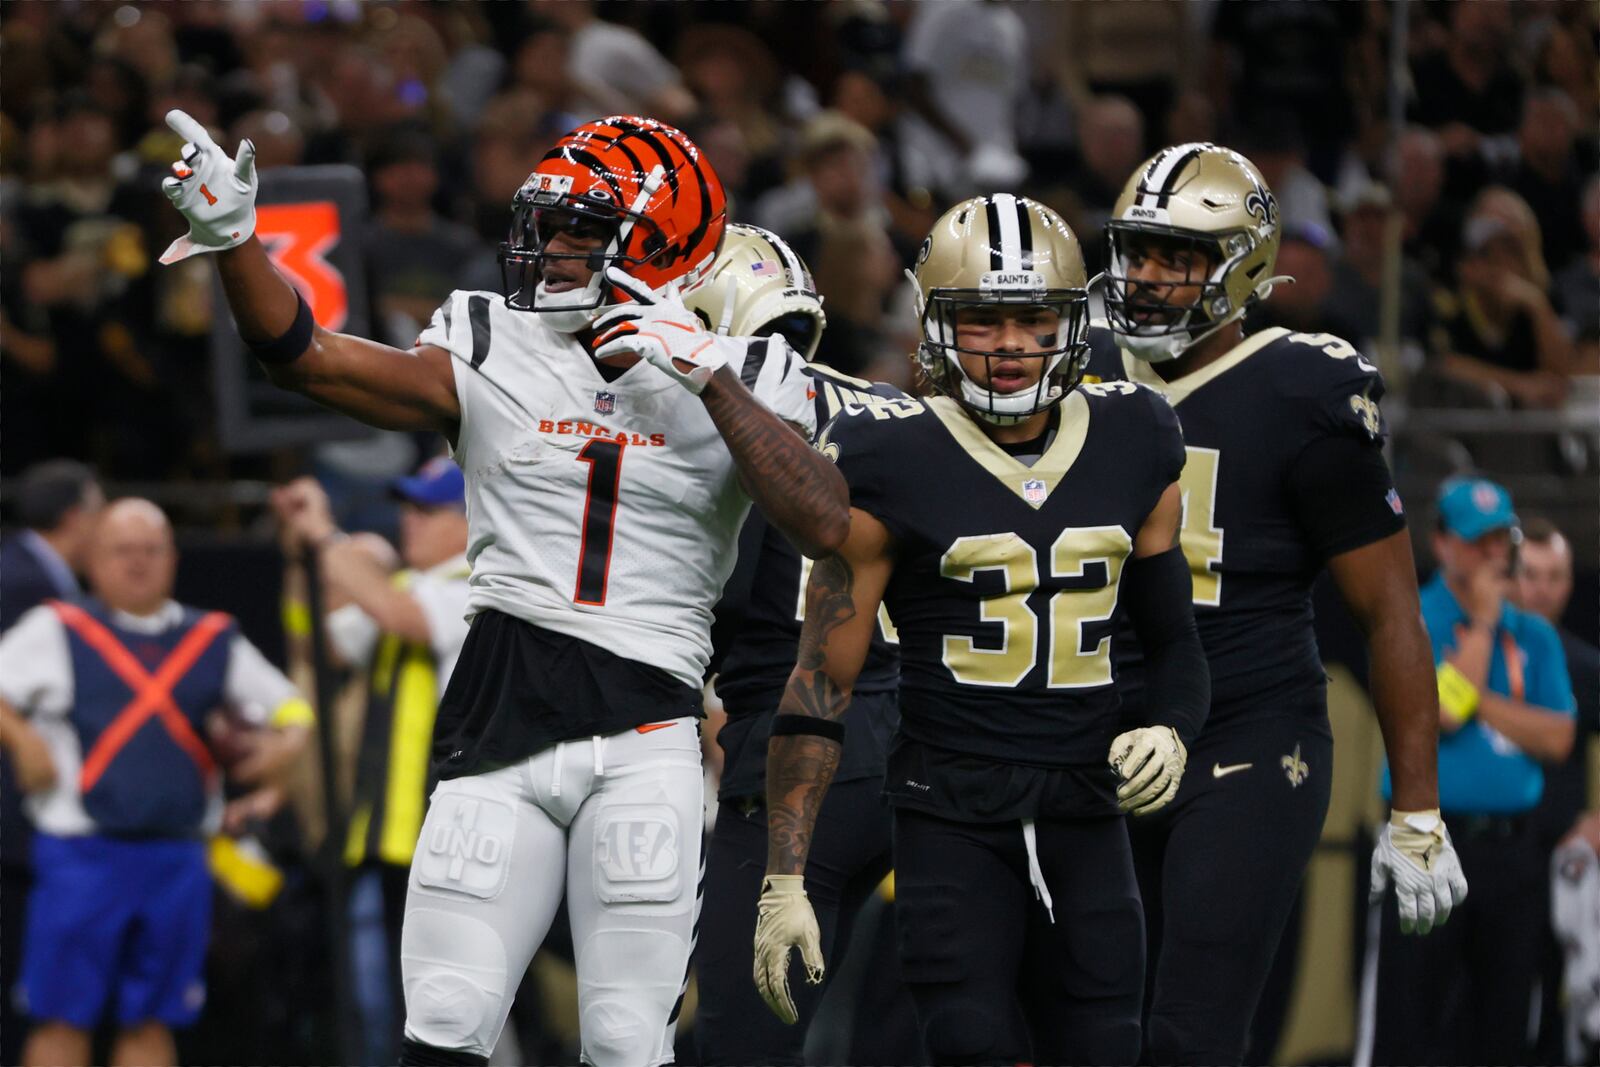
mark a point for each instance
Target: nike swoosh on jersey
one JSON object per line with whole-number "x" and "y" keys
{"x": 649, "y": 726}
{"x": 1219, "y": 771}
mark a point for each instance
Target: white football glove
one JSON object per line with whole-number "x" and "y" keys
{"x": 1414, "y": 851}
{"x": 1150, "y": 762}
{"x": 784, "y": 921}
{"x": 660, "y": 330}
{"x": 217, "y": 195}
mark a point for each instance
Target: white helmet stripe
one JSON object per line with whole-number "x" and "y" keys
{"x": 1164, "y": 171}
{"x": 1010, "y": 235}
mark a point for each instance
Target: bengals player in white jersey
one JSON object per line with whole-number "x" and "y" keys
{"x": 612, "y": 446}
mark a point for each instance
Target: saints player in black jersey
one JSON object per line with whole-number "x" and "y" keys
{"x": 758, "y": 286}
{"x": 1005, "y": 522}
{"x": 1285, "y": 475}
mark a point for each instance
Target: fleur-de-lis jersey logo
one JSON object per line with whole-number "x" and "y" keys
{"x": 1295, "y": 768}
{"x": 1367, "y": 410}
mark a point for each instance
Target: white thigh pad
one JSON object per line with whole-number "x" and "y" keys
{"x": 455, "y": 980}
{"x": 637, "y": 853}
{"x": 628, "y": 981}
{"x": 466, "y": 845}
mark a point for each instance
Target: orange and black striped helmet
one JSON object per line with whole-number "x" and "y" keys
{"x": 642, "y": 184}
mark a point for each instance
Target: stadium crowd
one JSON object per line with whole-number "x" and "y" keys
{"x": 847, "y": 128}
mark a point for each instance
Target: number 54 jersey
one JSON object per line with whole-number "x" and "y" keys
{"x": 1285, "y": 469}
{"x": 1004, "y": 589}
{"x": 605, "y": 511}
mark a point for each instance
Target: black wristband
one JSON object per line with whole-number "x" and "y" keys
{"x": 292, "y": 343}
{"x": 785, "y": 724}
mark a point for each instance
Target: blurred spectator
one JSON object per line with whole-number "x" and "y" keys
{"x": 1274, "y": 143}
{"x": 1577, "y": 287}
{"x": 1192, "y": 117}
{"x": 967, "y": 64}
{"x": 541, "y": 65}
{"x": 1497, "y": 330}
{"x": 404, "y": 632}
{"x": 1461, "y": 994}
{"x": 1432, "y": 224}
{"x": 1111, "y": 145}
{"x": 1544, "y": 586}
{"x": 1356, "y": 299}
{"x": 1137, "y": 52}
{"x": 1306, "y": 255}
{"x": 869, "y": 94}
{"x": 117, "y": 692}
{"x": 607, "y": 61}
{"x": 1548, "y": 174}
{"x": 834, "y": 219}
{"x": 57, "y": 504}
{"x": 1288, "y": 58}
{"x": 278, "y": 141}
{"x": 1468, "y": 91}
{"x": 512, "y": 135}
{"x": 737, "y": 81}
{"x": 414, "y": 256}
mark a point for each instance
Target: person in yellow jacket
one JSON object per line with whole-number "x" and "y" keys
{"x": 405, "y": 631}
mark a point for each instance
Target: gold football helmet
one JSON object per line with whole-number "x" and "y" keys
{"x": 1001, "y": 249}
{"x": 758, "y": 286}
{"x": 1214, "y": 201}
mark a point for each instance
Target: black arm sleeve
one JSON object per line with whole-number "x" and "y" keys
{"x": 1158, "y": 594}
{"x": 1344, "y": 495}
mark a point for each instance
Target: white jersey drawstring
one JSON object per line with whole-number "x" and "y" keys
{"x": 555, "y": 773}
{"x": 1035, "y": 874}
{"x": 599, "y": 766}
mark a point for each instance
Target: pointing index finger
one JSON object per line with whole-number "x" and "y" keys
{"x": 640, "y": 292}
{"x": 184, "y": 125}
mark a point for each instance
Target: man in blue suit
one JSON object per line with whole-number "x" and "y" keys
{"x": 57, "y": 503}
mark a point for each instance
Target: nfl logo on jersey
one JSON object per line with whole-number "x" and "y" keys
{"x": 1033, "y": 491}
{"x": 604, "y": 403}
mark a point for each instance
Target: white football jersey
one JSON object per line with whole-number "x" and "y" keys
{"x": 607, "y": 511}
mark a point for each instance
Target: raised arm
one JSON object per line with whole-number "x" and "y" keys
{"x": 379, "y": 385}
{"x": 798, "y": 490}
{"x": 842, "y": 599}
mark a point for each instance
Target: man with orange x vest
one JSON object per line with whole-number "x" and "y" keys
{"x": 118, "y": 688}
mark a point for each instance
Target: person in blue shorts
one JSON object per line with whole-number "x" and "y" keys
{"x": 106, "y": 701}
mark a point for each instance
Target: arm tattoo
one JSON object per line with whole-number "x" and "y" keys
{"x": 800, "y": 767}
{"x": 795, "y": 487}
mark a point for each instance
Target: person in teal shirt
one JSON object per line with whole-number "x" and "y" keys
{"x": 1505, "y": 709}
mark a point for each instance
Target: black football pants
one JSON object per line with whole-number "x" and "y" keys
{"x": 994, "y": 979}
{"x": 1219, "y": 871}
{"x": 849, "y": 857}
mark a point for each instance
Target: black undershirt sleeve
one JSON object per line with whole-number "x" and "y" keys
{"x": 1158, "y": 593}
{"x": 1343, "y": 495}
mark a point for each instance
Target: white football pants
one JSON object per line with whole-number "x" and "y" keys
{"x": 617, "y": 821}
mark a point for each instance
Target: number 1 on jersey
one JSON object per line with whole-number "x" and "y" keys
{"x": 599, "y": 519}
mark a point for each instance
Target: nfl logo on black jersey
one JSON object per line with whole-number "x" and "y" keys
{"x": 1033, "y": 491}
{"x": 604, "y": 403}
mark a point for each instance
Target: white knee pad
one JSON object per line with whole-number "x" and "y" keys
{"x": 630, "y": 981}
{"x": 465, "y": 846}
{"x": 455, "y": 980}
{"x": 637, "y": 854}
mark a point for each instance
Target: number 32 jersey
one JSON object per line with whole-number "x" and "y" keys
{"x": 605, "y": 511}
{"x": 1004, "y": 589}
